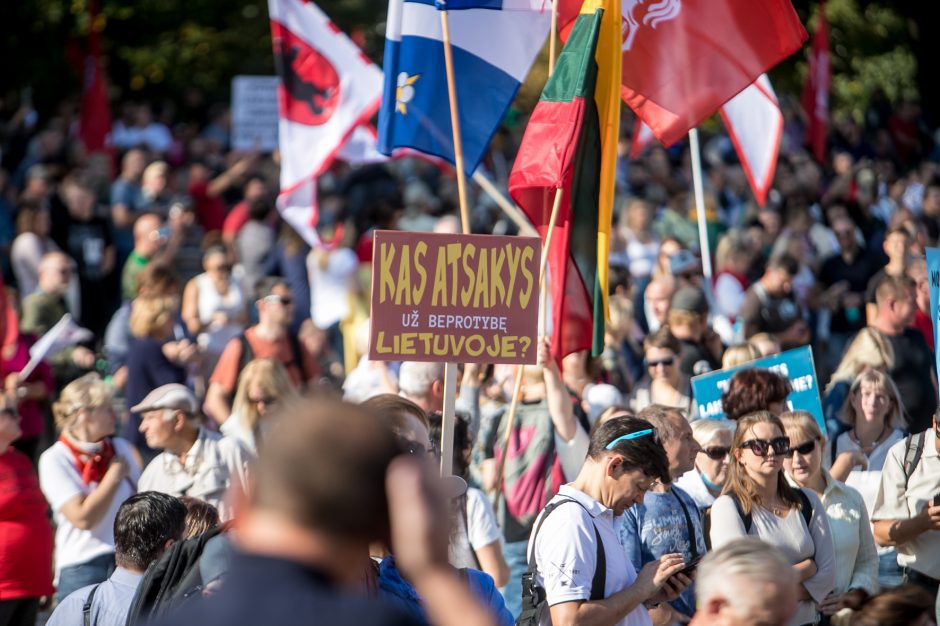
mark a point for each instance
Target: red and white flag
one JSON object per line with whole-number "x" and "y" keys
{"x": 755, "y": 124}
{"x": 683, "y": 59}
{"x": 328, "y": 87}
{"x": 816, "y": 90}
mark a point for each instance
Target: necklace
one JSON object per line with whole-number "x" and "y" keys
{"x": 858, "y": 442}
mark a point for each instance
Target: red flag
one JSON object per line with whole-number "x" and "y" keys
{"x": 95, "y": 121}
{"x": 683, "y": 59}
{"x": 816, "y": 90}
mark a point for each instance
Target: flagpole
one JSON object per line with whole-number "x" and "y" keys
{"x": 450, "y": 369}
{"x": 517, "y": 386}
{"x": 552, "y": 36}
{"x": 455, "y": 123}
{"x": 700, "y": 205}
{"x": 511, "y": 210}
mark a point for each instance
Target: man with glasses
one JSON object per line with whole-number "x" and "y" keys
{"x": 576, "y": 561}
{"x": 43, "y": 308}
{"x": 195, "y": 462}
{"x": 668, "y": 520}
{"x": 268, "y": 339}
{"x": 907, "y": 508}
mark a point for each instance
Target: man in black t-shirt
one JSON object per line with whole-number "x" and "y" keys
{"x": 769, "y": 306}
{"x": 913, "y": 371}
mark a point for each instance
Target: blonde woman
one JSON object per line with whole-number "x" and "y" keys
{"x": 148, "y": 364}
{"x": 869, "y": 349}
{"x": 739, "y": 354}
{"x": 85, "y": 476}
{"x": 855, "y": 554}
{"x": 262, "y": 386}
{"x": 758, "y": 501}
{"x": 873, "y": 414}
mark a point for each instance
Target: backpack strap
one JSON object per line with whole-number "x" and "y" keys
{"x": 707, "y": 528}
{"x": 914, "y": 446}
{"x": 693, "y": 541}
{"x": 833, "y": 452}
{"x": 747, "y": 518}
{"x": 298, "y": 357}
{"x": 806, "y": 507}
{"x": 599, "y": 582}
{"x": 247, "y": 353}
{"x": 86, "y": 608}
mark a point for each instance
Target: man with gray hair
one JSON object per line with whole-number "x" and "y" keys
{"x": 745, "y": 582}
{"x": 423, "y": 384}
{"x": 195, "y": 461}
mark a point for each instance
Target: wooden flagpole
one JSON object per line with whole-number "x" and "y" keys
{"x": 511, "y": 210}
{"x": 450, "y": 369}
{"x": 517, "y": 386}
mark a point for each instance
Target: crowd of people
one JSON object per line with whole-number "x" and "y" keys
{"x": 190, "y": 459}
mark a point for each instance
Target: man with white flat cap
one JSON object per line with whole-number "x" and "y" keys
{"x": 195, "y": 462}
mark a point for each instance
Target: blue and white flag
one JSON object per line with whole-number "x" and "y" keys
{"x": 492, "y": 51}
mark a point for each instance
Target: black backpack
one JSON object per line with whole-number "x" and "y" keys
{"x": 170, "y": 580}
{"x": 533, "y": 595}
{"x": 806, "y": 510}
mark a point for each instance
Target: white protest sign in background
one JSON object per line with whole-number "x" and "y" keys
{"x": 254, "y": 113}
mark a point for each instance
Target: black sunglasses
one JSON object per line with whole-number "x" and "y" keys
{"x": 780, "y": 445}
{"x": 716, "y": 453}
{"x": 669, "y": 360}
{"x": 804, "y": 448}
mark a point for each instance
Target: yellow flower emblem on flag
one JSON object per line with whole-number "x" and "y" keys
{"x": 405, "y": 91}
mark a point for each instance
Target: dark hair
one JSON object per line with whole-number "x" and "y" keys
{"x": 266, "y": 285}
{"x": 784, "y": 262}
{"x": 392, "y": 407}
{"x": 461, "y": 439}
{"x": 644, "y": 453}
{"x": 324, "y": 469}
{"x": 662, "y": 338}
{"x": 200, "y": 516}
{"x": 143, "y": 525}
{"x": 892, "y": 607}
{"x": 753, "y": 389}
{"x": 259, "y": 209}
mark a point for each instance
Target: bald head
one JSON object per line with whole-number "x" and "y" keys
{"x": 147, "y": 237}
{"x": 658, "y": 296}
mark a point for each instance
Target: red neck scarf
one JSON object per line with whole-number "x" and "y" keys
{"x": 91, "y": 465}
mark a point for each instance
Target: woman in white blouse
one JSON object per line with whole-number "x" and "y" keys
{"x": 873, "y": 411}
{"x": 758, "y": 501}
{"x": 855, "y": 553}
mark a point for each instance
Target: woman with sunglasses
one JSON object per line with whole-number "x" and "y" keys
{"x": 663, "y": 384}
{"x": 263, "y": 386}
{"x": 855, "y": 554}
{"x": 758, "y": 501}
{"x": 874, "y": 415}
{"x": 705, "y": 481}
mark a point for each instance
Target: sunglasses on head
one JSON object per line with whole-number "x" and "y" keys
{"x": 668, "y": 361}
{"x": 760, "y": 447}
{"x": 630, "y": 436}
{"x": 804, "y": 448}
{"x": 716, "y": 453}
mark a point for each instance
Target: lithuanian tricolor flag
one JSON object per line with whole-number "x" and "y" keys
{"x": 570, "y": 144}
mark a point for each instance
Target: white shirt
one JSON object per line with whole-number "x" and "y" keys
{"x": 213, "y": 465}
{"x": 866, "y": 482}
{"x": 790, "y": 535}
{"x": 481, "y": 530}
{"x": 691, "y": 482}
{"x": 331, "y": 288}
{"x": 566, "y": 554}
{"x": 60, "y": 482}
{"x": 896, "y": 502}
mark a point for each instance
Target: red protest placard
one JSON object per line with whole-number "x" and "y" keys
{"x": 454, "y": 298}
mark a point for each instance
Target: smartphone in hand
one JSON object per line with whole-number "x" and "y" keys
{"x": 690, "y": 567}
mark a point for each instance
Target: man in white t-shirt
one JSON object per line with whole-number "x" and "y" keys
{"x": 625, "y": 459}
{"x": 195, "y": 462}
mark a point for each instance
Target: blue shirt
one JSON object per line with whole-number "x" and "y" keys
{"x": 108, "y": 608}
{"x": 659, "y": 527}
